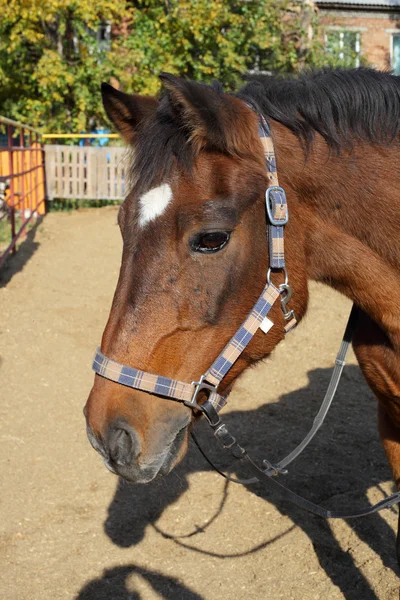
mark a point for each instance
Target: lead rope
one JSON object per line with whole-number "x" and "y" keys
{"x": 280, "y": 467}
{"x": 271, "y": 471}
{"x": 329, "y": 395}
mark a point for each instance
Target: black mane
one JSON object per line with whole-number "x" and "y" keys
{"x": 158, "y": 143}
{"x": 342, "y": 105}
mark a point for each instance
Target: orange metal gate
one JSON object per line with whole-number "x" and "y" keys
{"x": 22, "y": 180}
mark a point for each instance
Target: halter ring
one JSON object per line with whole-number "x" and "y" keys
{"x": 284, "y": 269}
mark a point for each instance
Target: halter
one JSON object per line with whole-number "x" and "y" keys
{"x": 187, "y": 393}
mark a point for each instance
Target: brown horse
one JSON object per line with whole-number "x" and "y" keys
{"x": 195, "y": 252}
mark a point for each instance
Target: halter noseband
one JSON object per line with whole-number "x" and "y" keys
{"x": 171, "y": 389}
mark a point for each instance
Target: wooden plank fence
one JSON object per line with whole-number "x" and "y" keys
{"x": 85, "y": 172}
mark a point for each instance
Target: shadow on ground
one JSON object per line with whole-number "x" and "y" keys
{"x": 15, "y": 263}
{"x": 343, "y": 462}
{"x": 114, "y": 586}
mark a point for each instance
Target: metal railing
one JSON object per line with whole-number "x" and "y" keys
{"x": 80, "y": 136}
{"x": 22, "y": 180}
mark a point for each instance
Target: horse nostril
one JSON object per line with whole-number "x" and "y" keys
{"x": 123, "y": 444}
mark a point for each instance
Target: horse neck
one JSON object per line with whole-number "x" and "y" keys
{"x": 345, "y": 213}
{"x": 356, "y": 191}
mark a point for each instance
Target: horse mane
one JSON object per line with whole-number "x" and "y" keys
{"x": 343, "y": 106}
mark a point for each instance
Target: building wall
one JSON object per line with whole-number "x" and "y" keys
{"x": 376, "y": 29}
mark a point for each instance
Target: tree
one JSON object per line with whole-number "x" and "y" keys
{"x": 52, "y": 59}
{"x": 219, "y": 39}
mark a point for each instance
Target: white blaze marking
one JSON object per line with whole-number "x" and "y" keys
{"x": 153, "y": 203}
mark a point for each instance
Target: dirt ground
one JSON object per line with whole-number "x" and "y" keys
{"x": 70, "y": 530}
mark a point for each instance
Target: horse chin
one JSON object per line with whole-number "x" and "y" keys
{"x": 176, "y": 452}
{"x": 158, "y": 467}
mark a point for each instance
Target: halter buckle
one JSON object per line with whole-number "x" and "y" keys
{"x": 200, "y": 385}
{"x": 275, "y": 195}
{"x": 273, "y": 470}
{"x": 207, "y": 408}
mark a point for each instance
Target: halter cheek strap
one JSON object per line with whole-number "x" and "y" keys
{"x": 277, "y": 217}
{"x": 275, "y": 201}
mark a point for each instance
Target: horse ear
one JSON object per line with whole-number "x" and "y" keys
{"x": 213, "y": 118}
{"x": 126, "y": 111}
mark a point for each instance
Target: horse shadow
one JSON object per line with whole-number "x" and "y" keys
{"x": 343, "y": 462}
{"x": 114, "y": 585}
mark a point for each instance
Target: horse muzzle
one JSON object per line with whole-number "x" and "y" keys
{"x": 124, "y": 455}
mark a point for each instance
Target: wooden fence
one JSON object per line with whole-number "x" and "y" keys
{"x": 85, "y": 172}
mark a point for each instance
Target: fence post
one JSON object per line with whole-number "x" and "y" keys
{"x": 11, "y": 184}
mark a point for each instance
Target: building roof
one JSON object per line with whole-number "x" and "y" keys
{"x": 363, "y": 3}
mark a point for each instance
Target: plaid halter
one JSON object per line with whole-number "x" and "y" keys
{"x": 277, "y": 215}
{"x": 187, "y": 392}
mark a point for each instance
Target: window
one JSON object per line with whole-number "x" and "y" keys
{"x": 396, "y": 54}
{"x": 344, "y": 46}
{"x": 104, "y": 35}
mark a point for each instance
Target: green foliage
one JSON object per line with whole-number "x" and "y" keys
{"x": 204, "y": 39}
{"x": 6, "y": 233}
{"x": 52, "y": 62}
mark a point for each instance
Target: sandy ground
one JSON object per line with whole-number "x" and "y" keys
{"x": 70, "y": 529}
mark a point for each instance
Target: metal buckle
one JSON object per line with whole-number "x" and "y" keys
{"x": 273, "y": 470}
{"x": 200, "y": 385}
{"x": 222, "y": 434}
{"x": 268, "y": 203}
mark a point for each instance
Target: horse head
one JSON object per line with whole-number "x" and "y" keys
{"x": 194, "y": 261}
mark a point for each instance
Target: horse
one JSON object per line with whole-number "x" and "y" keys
{"x": 195, "y": 250}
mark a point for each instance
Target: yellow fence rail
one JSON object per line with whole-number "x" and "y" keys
{"x": 66, "y": 136}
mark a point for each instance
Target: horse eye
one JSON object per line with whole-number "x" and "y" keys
{"x": 210, "y": 242}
